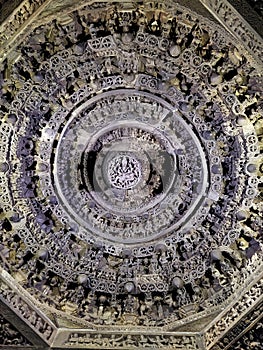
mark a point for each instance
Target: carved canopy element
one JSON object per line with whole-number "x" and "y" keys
{"x": 131, "y": 177}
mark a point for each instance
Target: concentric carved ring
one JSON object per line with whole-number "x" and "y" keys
{"x": 130, "y": 171}
{"x": 130, "y": 164}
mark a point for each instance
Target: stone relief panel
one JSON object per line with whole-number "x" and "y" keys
{"x": 247, "y": 302}
{"x": 235, "y": 23}
{"x": 16, "y": 301}
{"x": 131, "y": 167}
{"x": 250, "y": 329}
{"x": 120, "y": 341}
{"x": 251, "y": 340}
{"x": 10, "y": 29}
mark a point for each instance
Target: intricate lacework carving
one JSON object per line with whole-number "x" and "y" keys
{"x": 9, "y": 29}
{"x": 26, "y": 311}
{"x": 252, "y": 339}
{"x": 236, "y": 24}
{"x": 158, "y": 85}
{"x": 244, "y": 326}
{"x": 250, "y": 299}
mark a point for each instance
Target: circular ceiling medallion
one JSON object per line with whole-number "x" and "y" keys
{"x": 130, "y": 164}
{"x": 124, "y": 171}
{"x": 129, "y": 167}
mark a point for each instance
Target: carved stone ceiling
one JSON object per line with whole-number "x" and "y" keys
{"x": 130, "y": 176}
